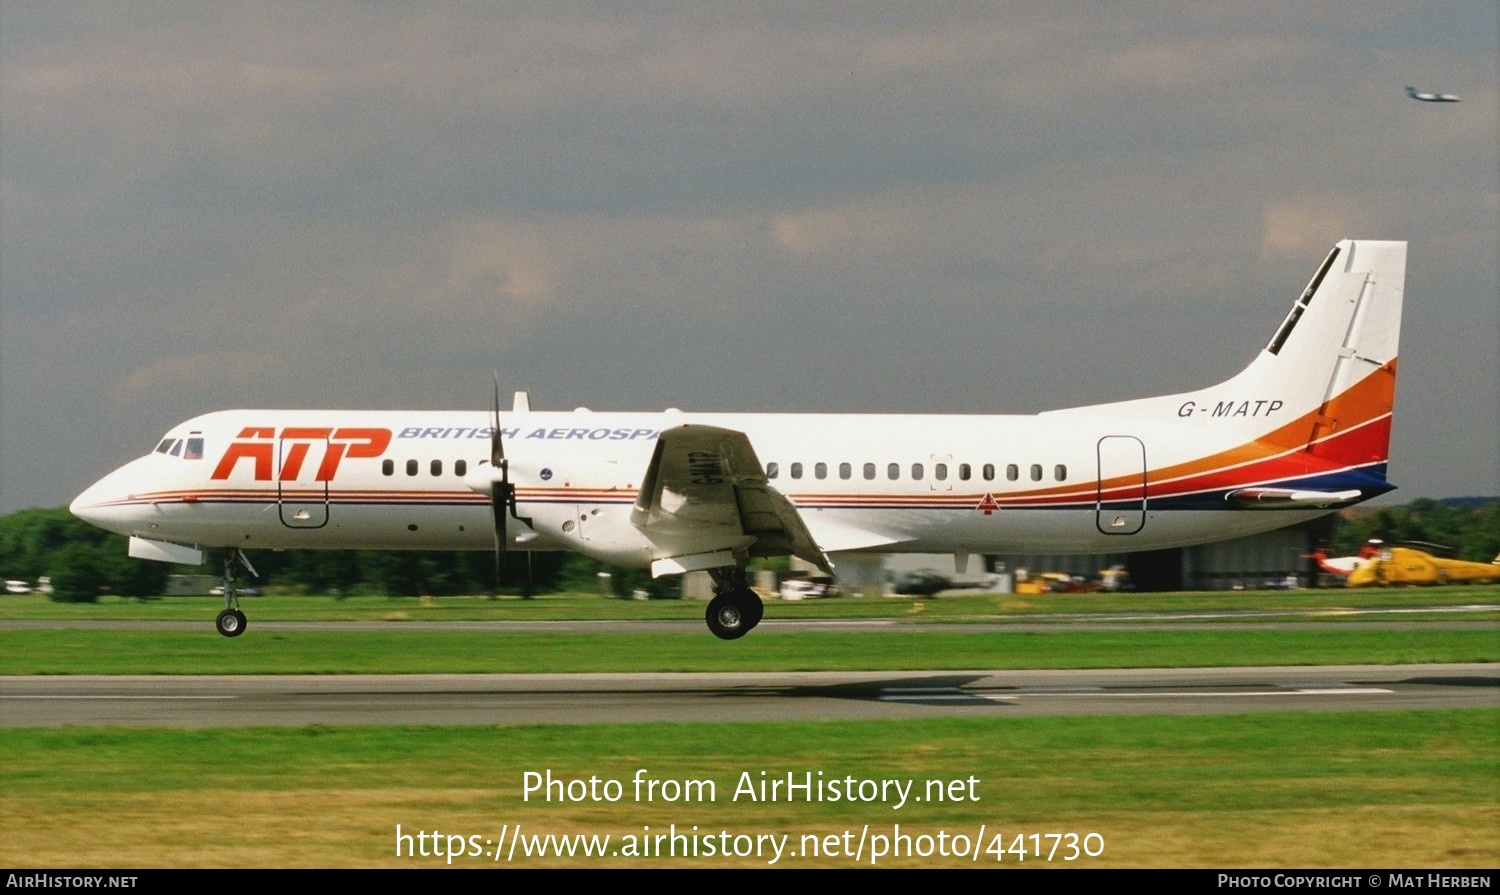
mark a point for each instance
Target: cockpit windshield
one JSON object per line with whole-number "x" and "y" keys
{"x": 190, "y": 448}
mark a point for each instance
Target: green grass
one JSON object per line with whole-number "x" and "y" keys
{"x": 1330, "y": 790}
{"x": 401, "y": 649}
{"x": 74, "y": 651}
{"x": 554, "y": 607}
{"x": 1368, "y": 789}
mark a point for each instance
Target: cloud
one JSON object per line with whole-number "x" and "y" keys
{"x": 1302, "y": 227}
{"x": 735, "y": 204}
{"x": 177, "y": 378}
{"x": 499, "y": 258}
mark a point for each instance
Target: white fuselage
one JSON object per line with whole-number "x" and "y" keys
{"x": 1303, "y": 430}
{"x": 983, "y": 484}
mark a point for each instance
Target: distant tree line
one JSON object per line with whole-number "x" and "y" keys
{"x": 84, "y": 562}
{"x": 79, "y": 558}
{"x": 1468, "y": 525}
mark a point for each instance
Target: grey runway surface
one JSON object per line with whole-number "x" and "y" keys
{"x": 194, "y": 701}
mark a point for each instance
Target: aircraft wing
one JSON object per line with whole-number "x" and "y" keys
{"x": 705, "y": 498}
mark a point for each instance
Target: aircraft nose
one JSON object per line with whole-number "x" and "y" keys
{"x": 92, "y": 506}
{"x": 81, "y": 507}
{"x": 105, "y": 504}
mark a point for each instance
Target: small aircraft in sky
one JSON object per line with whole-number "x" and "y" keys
{"x": 1302, "y": 431}
{"x": 1414, "y": 93}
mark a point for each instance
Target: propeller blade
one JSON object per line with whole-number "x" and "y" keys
{"x": 497, "y": 444}
{"x": 497, "y": 508}
{"x": 501, "y": 495}
{"x": 502, "y": 492}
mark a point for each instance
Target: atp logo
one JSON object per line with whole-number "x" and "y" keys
{"x": 258, "y": 444}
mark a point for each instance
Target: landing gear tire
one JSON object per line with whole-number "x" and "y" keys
{"x": 230, "y": 623}
{"x": 726, "y": 617}
{"x": 732, "y": 614}
{"x": 756, "y": 607}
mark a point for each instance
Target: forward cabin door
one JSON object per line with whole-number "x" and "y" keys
{"x": 301, "y": 487}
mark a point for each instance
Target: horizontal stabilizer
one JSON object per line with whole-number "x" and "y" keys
{"x": 1275, "y": 498}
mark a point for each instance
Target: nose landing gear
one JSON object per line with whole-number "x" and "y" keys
{"x": 231, "y": 622}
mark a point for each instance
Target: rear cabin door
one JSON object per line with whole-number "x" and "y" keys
{"x": 1120, "y": 502}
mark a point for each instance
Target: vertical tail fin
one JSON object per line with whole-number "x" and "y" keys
{"x": 1334, "y": 356}
{"x": 1309, "y": 419}
{"x": 1345, "y": 327}
{"x": 1332, "y": 366}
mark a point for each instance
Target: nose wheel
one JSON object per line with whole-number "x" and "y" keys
{"x": 230, "y": 623}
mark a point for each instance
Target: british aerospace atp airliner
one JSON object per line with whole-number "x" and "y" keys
{"x": 1302, "y": 431}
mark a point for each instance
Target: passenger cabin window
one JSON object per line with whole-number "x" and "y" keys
{"x": 411, "y": 467}
{"x": 916, "y": 472}
{"x": 1036, "y": 472}
{"x": 796, "y": 470}
{"x": 893, "y": 471}
{"x": 940, "y": 472}
{"x": 963, "y": 472}
{"x": 388, "y": 467}
{"x": 820, "y": 470}
{"x": 845, "y": 470}
{"x": 437, "y": 467}
{"x": 869, "y": 471}
{"x": 989, "y": 472}
{"x": 460, "y": 468}
{"x": 1060, "y": 472}
{"x": 1012, "y": 472}
{"x": 773, "y": 469}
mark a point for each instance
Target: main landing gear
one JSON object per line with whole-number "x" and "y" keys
{"x": 735, "y": 608}
{"x": 231, "y": 622}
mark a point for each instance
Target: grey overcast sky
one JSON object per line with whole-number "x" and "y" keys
{"x": 951, "y": 207}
